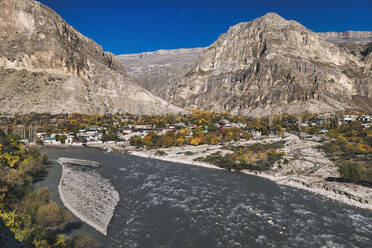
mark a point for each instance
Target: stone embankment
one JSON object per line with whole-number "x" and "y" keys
{"x": 88, "y": 195}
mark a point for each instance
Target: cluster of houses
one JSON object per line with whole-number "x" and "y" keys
{"x": 88, "y": 135}
{"x": 365, "y": 119}
{"x": 94, "y": 135}
{"x": 142, "y": 130}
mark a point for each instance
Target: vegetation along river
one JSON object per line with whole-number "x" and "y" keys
{"x": 164, "y": 204}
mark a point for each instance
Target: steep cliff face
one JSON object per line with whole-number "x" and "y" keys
{"x": 48, "y": 66}
{"x": 272, "y": 65}
{"x": 152, "y": 69}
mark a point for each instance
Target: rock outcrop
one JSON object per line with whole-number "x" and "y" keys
{"x": 271, "y": 65}
{"x": 48, "y": 66}
{"x": 362, "y": 37}
{"x": 152, "y": 69}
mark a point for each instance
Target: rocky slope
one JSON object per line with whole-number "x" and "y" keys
{"x": 48, "y": 66}
{"x": 361, "y": 37}
{"x": 271, "y": 65}
{"x": 152, "y": 69}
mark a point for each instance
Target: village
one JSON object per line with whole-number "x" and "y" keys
{"x": 122, "y": 131}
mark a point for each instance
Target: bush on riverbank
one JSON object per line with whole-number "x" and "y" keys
{"x": 351, "y": 148}
{"x": 257, "y": 157}
{"x": 351, "y": 170}
{"x": 84, "y": 241}
{"x": 30, "y": 215}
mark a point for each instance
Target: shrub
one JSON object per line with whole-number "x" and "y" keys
{"x": 136, "y": 140}
{"x": 351, "y": 170}
{"x": 52, "y": 215}
{"x": 34, "y": 200}
{"x": 180, "y": 141}
{"x": 160, "y": 153}
{"x": 84, "y": 241}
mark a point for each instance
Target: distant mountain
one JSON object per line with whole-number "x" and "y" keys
{"x": 152, "y": 69}
{"x": 362, "y": 37}
{"x": 48, "y": 66}
{"x": 272, "y": 65}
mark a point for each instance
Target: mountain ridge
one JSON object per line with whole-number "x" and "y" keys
{"x": 271, "y": 65}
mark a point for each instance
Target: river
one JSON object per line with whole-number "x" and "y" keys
{"x": 165, "y": 204}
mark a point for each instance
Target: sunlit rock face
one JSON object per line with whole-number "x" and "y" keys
{"x": 272, "y": 65}
{"x": 48, "y": 66}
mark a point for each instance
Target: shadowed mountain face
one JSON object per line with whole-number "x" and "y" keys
{"x": 48, "y": 66}
{"x": 271, "y": 65}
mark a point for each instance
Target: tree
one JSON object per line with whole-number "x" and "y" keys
{"x": 195, "y": 141}
{"x": 38, "y": 141}
{"x": 180, "y": 141}
{"x": 62, "y": 138}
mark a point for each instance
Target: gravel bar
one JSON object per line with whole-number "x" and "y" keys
{"x": 88, "y": 195}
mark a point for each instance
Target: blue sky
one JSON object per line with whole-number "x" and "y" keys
{"x": 122, "y": 26}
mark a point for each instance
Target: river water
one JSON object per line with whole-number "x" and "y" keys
{"x": 164, "y": 204}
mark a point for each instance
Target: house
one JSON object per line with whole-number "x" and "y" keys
{"x": 256, "y": 133}
{"x": 180, "y": 124}
{"x": 127, "y": 131}
{"x": 91, "y": 128}
{"x": 366, "y": 118}
{"x": 69, "y": 139}
{"x": 350, "y": 118}
{"x": 51, "y": 141}
{"x": 324, "y": 130}
{"x": 116, "y": 123}
{"x": 272, "y": 132}
{"x": 242, "y": 125}
{"x": 40, "y": 135}
{"x": 142, "y": 127}
{"x": 366, "y": 125}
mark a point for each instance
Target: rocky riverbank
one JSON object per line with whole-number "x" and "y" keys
{"x": 306, "y": 168}
{"x": 88, "y": 195}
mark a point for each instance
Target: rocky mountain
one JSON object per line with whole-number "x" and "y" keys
{"x": 272, "y": 65}
{"x": 362, "y": 37}
{"x": 152, "y": 69}
{"x": 48, "y": 66}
